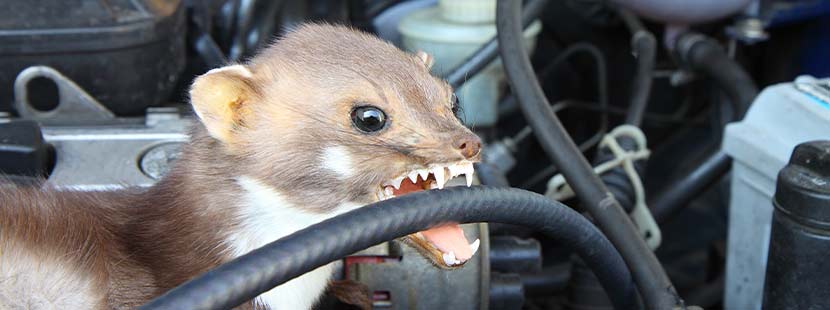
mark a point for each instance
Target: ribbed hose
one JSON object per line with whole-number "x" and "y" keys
{"x": 254, "y": 273}
{"x": 705, "y": 56}
{"x": 654, "y": 284}
{"x": 644, "y": 46}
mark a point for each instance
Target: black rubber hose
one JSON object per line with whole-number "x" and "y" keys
{"x": 654, "y": 284}
{"x": 258, "y": 271}
{"x": 705, "y": 56}
{"x": 644, "y": 47}
{"x": 490, "y": 50}
{"x": 682, "y": 191}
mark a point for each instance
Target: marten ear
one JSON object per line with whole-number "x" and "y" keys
{"x": 426, "y": 59}
{"x": 221, "y": 98}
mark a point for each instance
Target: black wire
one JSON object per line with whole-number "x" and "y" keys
{"x": 602, "y": 87}
{"x": 601, "y": 72}
{"x": 602, "y": 97}
{"x": 583, "y": 147}
{"x": 652, "y": 281}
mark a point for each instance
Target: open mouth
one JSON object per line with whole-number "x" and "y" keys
{"x": 445, "y": 244}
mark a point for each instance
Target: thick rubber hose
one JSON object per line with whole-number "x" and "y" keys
{"x": 705, "y": 56}
{"x": 488, "y": 52}
{"x": 682, "y": 191}
{"x": 254, "y": 273}
{"x": 654, "y": 284}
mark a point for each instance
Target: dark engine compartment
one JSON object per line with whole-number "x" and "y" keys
{"x": 87, "y": 86}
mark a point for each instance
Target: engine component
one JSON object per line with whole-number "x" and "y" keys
{"x": 22, "y": 149}
{"x": 451, "y": 32}
{"x": 399, "y": 278}
{"x": 621, "y": 148}
{"x": 515, "y": 255}
{"x": 73, "y": 105}
{"x": 506, "y": 291}
{"x": 800, "y": 237}
{"x": 127, "y": 53}
{"x": 684, "y": 12}
{"x": 705, "y": 56}
{"x": 654, "y": 284}
{"x": 783, "y": 116}
{"x": 107, "y": 157}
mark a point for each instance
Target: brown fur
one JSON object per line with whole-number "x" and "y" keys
{"x": 273, "y": 126}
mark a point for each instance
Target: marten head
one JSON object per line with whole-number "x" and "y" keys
{"x": 328, "y": 115}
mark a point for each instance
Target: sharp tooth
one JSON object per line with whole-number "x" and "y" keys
{"x": 449, "y": 259}
{"x": 389, "y": 192}
{"x": 438, "y": 172}
{"x": 381, "y": 195}
{"x": 424, "y": 173}
{"x": 413, "y": 176}
{"x": 469, "y": 170}
{"x": 474, "y": 246}
{"x": 397, "y": 182}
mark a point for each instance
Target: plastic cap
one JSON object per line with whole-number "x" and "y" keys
{"x": 803, "y": 189}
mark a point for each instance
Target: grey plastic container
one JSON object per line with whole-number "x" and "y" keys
{"x": 782, "y": 117}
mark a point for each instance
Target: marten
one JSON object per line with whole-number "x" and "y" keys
{"x": 325, "y": 120}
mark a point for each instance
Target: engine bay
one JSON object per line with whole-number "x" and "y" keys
{"x": 693, "y": 135}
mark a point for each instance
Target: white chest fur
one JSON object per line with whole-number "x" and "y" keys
{"x": 266, "y": 217}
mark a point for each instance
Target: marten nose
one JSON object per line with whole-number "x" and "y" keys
{"x": 469, "y": 146}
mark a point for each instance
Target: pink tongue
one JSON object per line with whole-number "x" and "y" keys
{"x": 449, "y": 238}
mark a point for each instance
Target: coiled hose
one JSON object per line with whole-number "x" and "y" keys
{"x": 260, "y": 270}
{"x": 654, "y": 284}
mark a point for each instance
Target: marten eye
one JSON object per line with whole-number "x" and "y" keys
{"x": 368, "y": 118}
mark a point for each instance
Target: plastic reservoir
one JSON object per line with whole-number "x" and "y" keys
{"x": 451, "y": 32}
{"x": 782, "y": 116}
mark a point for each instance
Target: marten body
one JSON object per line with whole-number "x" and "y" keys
{"x": 286, "y": 140}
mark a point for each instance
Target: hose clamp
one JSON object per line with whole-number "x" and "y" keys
{"x": 558, "y": 188}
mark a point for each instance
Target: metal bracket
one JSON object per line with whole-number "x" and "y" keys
{"x": 74, "y": 106}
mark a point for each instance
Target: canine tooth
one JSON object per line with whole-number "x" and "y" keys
{"x": 474, "y": 246}
{"x": 389, "y": 192}
{"x": 397, "y": 182}
{"x": 413, "y": 176}
{"x": 469, "y": 170}
{"x": 439, "y": 176}
{"x": 449, "y": 259}
{"x": 424, "y": 173}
